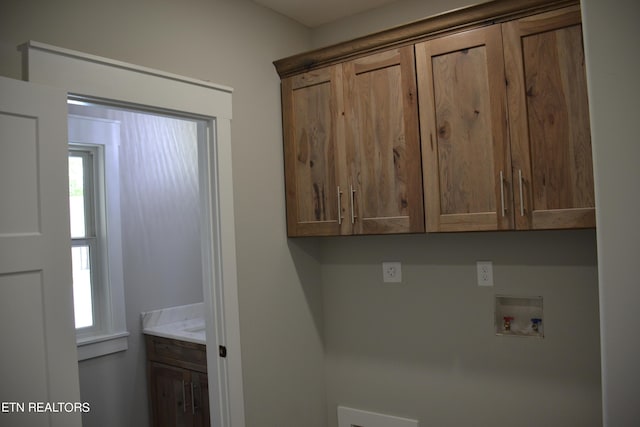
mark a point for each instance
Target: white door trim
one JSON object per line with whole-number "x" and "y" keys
{"x": 117, "y": 82}
{"x": 99, "y": 77}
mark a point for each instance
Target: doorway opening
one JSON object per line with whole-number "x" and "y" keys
{"x": 158, "y": 180}
{"x": 117, "y": 84}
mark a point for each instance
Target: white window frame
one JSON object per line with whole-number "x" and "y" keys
{"x": 109, "y": 334}
{"x": 92, "y": 238}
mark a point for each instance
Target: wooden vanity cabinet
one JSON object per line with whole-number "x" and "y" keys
{"x": 178, "y": 387}
{"x": 549, "y": 121}
{"x": 505, "y": 126}
{"x": 352, "y": 148}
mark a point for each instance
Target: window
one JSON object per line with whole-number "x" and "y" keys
{"x": 85, "y": 213}
{"x": 94, "y": 206}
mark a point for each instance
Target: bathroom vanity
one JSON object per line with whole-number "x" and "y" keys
{"x": 177, "y": 366}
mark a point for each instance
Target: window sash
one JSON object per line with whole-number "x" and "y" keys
{"x": 88, "y": 155}
{"x": 96, "y": 287}
{"x": 91, "y": 238}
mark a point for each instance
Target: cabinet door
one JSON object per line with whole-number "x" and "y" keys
{"x": 465, "y": 150}
{"x": 200, "y": 396}
{"x": 169, "y": 395}
{"x": 312, "y": 125}
{"x": 383, "y": 145}
{"x": 549, "y": 121}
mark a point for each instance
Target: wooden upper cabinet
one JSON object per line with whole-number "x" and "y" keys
{"x": 352, "y": 148}
{"x": 549, "y": 121}
{"x": 383, "y": 143}
{"x": 473, "y": 120}
{"x": 312, "y": 123}
{"x": 463, "y": 121}
{"x": 505, "y": 126}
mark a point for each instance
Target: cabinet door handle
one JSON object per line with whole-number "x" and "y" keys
{"x": 353, "y": 198}
{"x": 184, "y": 399}
{"x": 521, "y": 193}
{"x": 199, "y": 405}
{"x": 339, "y": 206}
{"x": 502, "y": 193}
{"x": 193, "y": 403}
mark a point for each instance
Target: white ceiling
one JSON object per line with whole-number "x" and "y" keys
{"x": 313, "y": 13}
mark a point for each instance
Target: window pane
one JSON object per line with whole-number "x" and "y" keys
{"x": 76, "y": 196}
{"x": 82, "y": 301}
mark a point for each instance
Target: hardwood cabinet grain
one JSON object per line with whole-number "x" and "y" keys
{"x": 200, "y": 396}
{"x": 465, "y": 148}
{"x": 178, "y": 384}
{"x": 549, "y": 121}
{"x": 506, "y": 142}
{"x": 352, "y": 148}
{"x": 315, "y": 168}
{"x": 383, "y": 143}
{"x": 471, "y": 120}
{"x": 169, "y": 395}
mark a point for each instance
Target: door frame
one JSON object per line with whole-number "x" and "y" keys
{"x": 132, "y": 86}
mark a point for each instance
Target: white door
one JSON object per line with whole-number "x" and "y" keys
{"x": 38, "y": 360}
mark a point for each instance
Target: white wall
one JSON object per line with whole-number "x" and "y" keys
{"x": 391, "y": 15}
{"x": 611, "y": 39}
{"x": 231, "y": 42}
{"x": 426, "y": 349}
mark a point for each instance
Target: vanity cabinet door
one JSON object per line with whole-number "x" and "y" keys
{"x": 200, "y": 399}
{"x": 383, "y": 143}
{"x": 314, "y": 153}
{"x": 170, "y": 396}
{"x": 465, "y": 150}
{"x": 549, "y": 121}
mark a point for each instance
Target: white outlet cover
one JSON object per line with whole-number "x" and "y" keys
{"x": 485, "y": 273}
{"x": 392, "y": 272}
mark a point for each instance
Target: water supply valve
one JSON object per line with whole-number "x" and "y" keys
{"x": 535, "y": 324}
{"x": 507, "y": 322}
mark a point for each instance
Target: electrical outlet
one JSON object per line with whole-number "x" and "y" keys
{"x": 485, "y": 273}
{"x": 392, "y": 272}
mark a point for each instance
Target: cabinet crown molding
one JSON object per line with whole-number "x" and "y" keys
{"x": 466, "y": 18}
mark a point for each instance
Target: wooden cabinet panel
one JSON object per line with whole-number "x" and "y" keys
{"x": 169, "y": 396}
{"x": 549, "y": 121}
{"x": 200, "y": 397}
{"x": 500, "y": 140}
{"x": 352, "y": 148}
{"x": 383, "y": 143}
{"x": 178, "y": 387}
{"x": 465, "y": 154}
{"x": 312, "y": 105}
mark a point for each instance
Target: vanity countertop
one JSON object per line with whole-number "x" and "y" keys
{"x": 185, "y": 322}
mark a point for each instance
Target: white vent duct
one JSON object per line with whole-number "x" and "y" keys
{"x": 349, "y": 417}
